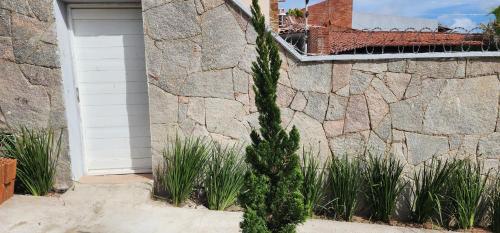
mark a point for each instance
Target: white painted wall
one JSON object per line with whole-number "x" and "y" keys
{"x": 70, "y": 97}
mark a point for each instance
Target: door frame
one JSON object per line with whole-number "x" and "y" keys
{"x": 78, "y": 157}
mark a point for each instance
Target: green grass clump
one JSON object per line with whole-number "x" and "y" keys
{"x": 383, "y": 179}
{"x": 429, "y": 191}
{"x": 183, "y": 165}
{"x": 467, "y": 187}
{"x": 225, "y": 177}
{"x": 312, "y": 188}
{"x": 37, "y": 153}
{"x": 495, "y": 206}
{"x": 344, "y": 183}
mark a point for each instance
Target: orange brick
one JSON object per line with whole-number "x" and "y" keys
{"x": 2, "y": 193}
{"x": 9, "y": 171}
{"x": 9, "y": 190}
{"x": 2, "y": 172}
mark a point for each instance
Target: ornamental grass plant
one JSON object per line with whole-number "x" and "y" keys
{"x": 312, "y": 188}
{"x": 495, "y": 205}
{"x": 224, "y": 176}
{"x": 467, "y": 186}
{"x": 37, "y": 153}
{"x": 344, "y": 183}
{"x": 382, "y": 177}
{"x": 183, "y": 166}
{"x": 430, "y": 189}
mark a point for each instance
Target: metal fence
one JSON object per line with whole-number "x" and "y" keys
{"x": 322, "y": 41}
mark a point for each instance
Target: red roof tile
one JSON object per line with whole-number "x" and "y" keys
{"x": 339, "y": 41}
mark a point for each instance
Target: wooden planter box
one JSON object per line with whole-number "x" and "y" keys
{"x": 7, "y": 178}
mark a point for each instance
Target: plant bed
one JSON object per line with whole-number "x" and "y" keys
{"x": 7, "y": 178}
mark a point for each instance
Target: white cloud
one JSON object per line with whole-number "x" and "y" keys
{"x": 463, "y": 23}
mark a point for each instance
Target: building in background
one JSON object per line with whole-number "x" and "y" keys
{"x": 333, "y": 28}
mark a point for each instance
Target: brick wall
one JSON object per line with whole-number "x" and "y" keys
{"x": 274, "y": 12}
{"x": 318, "y": 40}
{"x": 331, "y": 12}
{"x": 340, "y": 13}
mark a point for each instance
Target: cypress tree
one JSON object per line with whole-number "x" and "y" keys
{"x": 272, "y": 198}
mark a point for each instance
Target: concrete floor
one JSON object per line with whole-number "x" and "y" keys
{"x": 105, "y": 205}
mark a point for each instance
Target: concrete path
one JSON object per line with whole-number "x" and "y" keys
{"x": 124, "y": 208}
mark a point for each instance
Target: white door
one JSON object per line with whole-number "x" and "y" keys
{"x": 109, "y": 60}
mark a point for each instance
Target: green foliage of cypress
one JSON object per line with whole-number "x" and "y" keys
{"x": 271, "y": 197}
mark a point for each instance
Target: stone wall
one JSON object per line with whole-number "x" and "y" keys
{"x": 199, "y": 56}
{"x": 30, "y": 81}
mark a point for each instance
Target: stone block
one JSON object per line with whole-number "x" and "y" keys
{"x": 23, "y": 104}
{"x": 217, "y": 83}
{"x": 397, "y": 83}
{"x": 196, "y": 110}
{"x": 357, "y": 115}
{"x": 408, "y": 115}
{"x": 285, "y": 95}
{"x": 464, "y": 106}
{"x": 312, "y": 134}
{"x": 333, "y": 128}
{"x": 317, "y": 105}
{"x": 225, "y": 117}
{"x": 489, "y": 146}
{"x": 6, "y": 49}
{"x": 178, "y": 57}
{"x": 482, "y": 67}
{"x": 4, "y": 22}
{"x": 377, "y": 107}
{"x": 240, "y": 81}
{"x": 337, "y": 106}
{"x": 359, "y": 82}
{"x": 299, "y": 102}
{"x": 398, "y": 66}
{"x": 223, "y": 41}
{"x": 163, "y": 106}
{"x": 371, "y": 66}
{"x": 351, "y": 145}
{"x": 341, "y": 75}
{"x": 441, "y": 69}
{"x": 171, "y": 21}
{"x": 375, "y": 146}
{"x": 383, "y": 90}
{"x": 423, "y": 147}
{"x": 315, "y": 77}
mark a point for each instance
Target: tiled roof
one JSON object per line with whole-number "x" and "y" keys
{"x": 342, "y": 41}
{"x": 292, "y": 24}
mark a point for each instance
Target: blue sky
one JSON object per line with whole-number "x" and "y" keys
{"x": 453, "y": 13}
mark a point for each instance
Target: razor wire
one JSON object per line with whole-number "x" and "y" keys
{"x": 393, "y": 41}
